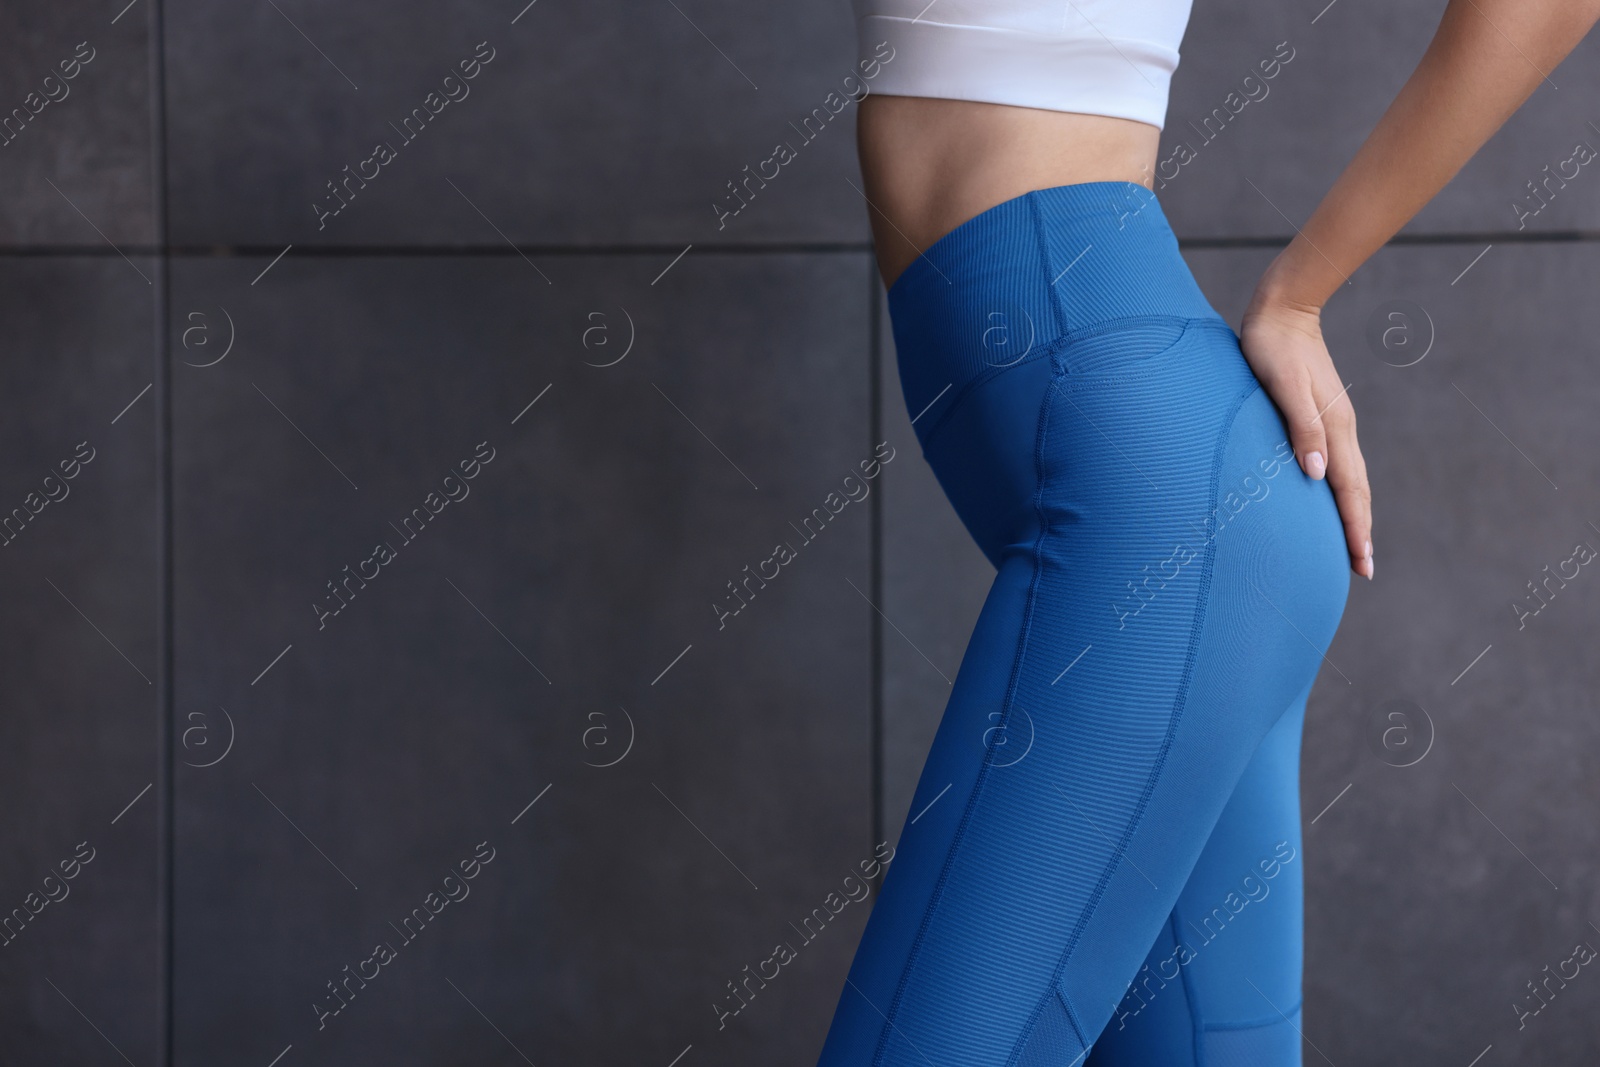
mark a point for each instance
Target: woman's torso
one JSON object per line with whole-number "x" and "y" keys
{"x": 984, "y": 100}
{"x": 931, "y": 164}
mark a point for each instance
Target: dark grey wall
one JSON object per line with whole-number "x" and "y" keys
{"x": 537, "y": 672}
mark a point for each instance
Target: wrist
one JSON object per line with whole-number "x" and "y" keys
{"x": 1283, "y": 289}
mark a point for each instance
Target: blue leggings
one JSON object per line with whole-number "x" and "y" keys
{"x": 1102, "y": 863}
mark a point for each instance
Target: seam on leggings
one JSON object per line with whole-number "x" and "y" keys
{"x": 1077, "y": 381}
{"x": 1257, "y": 1024}
{"x": 1072, "y": 1017}
{"x": 1196, "y": 1024}
{"x": 988, "y": 756}
{"x": 1063, "y": 340}
{"x": 1074, "y": 381}
{"x": 981, "y": 379}
{"x": 1057, "y": 304}
{"x": 1094, "y": 329}
{"x": 1201, "y": 603}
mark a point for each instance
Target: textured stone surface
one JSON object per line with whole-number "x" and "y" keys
{"x": 555, "y": 614}
{"x": 78, "y": 597}
{"x": 75, "y": 96}
{"x": 584, "y": 127}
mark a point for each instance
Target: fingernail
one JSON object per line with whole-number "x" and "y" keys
{"x": 1370, "y": 568}
{"x": 1315, "y": 464}
{"x": 1369, "y": 549}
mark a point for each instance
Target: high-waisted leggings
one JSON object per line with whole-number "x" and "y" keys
{"x": 1102, "y": 860}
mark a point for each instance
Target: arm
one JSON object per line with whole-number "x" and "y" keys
{"x": 1486, "y": 58}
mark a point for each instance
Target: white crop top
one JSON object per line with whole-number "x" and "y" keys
{"x": 1098, "y": 57}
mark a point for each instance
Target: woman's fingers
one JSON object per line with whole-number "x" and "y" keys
{"x": 1288, "y": 383}
{"x": 1285, "y": 349}
{"x": 1309, "y": 436}
{"x": 1347, "y": 477}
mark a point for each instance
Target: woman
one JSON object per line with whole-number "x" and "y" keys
{"x": 1173, "y": 511}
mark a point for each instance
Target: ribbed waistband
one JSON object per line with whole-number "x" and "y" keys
{"x": 1011, "y": 282}
{"x": 1077, "y": 254}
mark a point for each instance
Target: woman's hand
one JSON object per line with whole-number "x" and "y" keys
{"x": 1282, "y": 342}
{"x": 1486, "y": 58}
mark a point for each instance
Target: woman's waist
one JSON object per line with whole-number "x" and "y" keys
{"x": 1084, "y": 253}
{"x": 931, "y": 163}
{"x": 1040, "y": 277}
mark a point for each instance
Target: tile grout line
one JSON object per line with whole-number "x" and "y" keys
{"x": 227, "y": 251}
{"x": 165, "y": 799}
{"x": 424, "y": 251}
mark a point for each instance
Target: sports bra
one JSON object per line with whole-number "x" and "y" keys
{"x": 1098, "y": 57}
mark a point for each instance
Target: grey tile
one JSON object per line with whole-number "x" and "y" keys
{"x": 78, "y": 589}
{"x": 582, "y": 128}
{"x": 75, "y": 99}
{"x": 514, "y": 644}
{"x": 1261, "y": 167}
